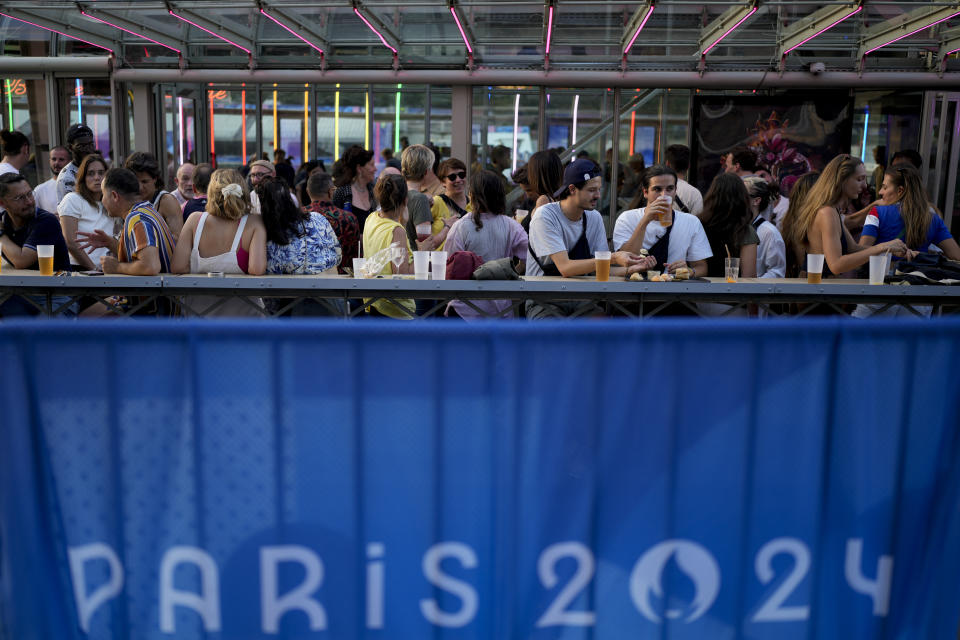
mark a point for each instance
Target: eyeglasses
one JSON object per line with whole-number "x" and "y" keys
{"x": 259, "y": 174}
{"x": 23, "y": 197}
{"x": 459, "y": 174}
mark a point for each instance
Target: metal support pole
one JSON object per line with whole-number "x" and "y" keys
{"x": 118, "y": 123}
{"x": 314, "y": 134}
{"x": 427, "y": 106}
{"x": 461, "y": 123}
{"x": 614, "y": 163}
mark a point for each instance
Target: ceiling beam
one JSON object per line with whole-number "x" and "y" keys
{"x": 820, "y": 21}
{"x": 891, "y": 31}
{"x": 302, "y": 30}
{"x": 99, "y": 16}
{"x": 63, "y": 28}
{"x": 213, "y": 27}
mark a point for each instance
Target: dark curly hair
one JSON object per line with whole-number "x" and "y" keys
{"x": 345, "y": 169}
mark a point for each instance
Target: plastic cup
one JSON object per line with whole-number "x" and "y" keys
{"x": 731, "y": 269}
{"x": 878, "y": 268}
{"x": 438, "y": 262}
{"x": 602, "y": 265}
{"x": 423, "y": 231}
{"x": 666, "y": 218}
{"x": 814, "y": 268}
{"x": 521, "y": 214}
{"x": 358, "y": 264}
{"x": 45, "y": 257}
{"x": 421, "y": 265}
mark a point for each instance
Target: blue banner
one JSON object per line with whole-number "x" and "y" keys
{"x": 661, "y": 479}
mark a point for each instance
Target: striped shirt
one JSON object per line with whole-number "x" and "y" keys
{"x": 144, "y": 227}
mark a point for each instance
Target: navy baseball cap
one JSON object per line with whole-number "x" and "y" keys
{"x": 78, "y": 131}
{"x": 578, "y": 171}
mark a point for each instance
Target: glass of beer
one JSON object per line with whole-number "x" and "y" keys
{"x": 603, "y": 265}
{"x": 665, "y": 218}
{"x": 814, "y": 268}
{"x": 45, "y": 256}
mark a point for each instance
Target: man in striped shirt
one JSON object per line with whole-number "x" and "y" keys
{"x": 145, "y": 246}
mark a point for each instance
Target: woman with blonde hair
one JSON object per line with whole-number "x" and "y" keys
{"x": 223, "y": 239}
{"x": 816, "y": 227}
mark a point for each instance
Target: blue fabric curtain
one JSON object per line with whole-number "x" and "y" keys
{"x": 661, "y": 479}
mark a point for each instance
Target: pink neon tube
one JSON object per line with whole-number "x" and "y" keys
{"x": 215, "y": 35}
{"x": 379, "y": 35}
{"x": 549, "y": 28}
{"x": 639, "y": 29}
{"x": 827, "y": 28}
{"x": 133, "y": 33}
{"x": 462, "y": 32}
{"x": 913, "y": 32}
{"x": 729, "y": 31}
{"x": 292, "y": 32}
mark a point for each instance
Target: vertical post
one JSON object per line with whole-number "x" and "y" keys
{"x": 614, "y": 162}
{"x": 461, "y": 123}
{"x": 118, "y": 121}
{"x": 926, "y": 133}
{"x": 935, "y": 186}
{"x": 950, "y": 197}
{"x": 396, "y": 123}
{"x": 259, "y": 121}
{"x": 427, "y": 106}
{"x": 243, "y": 126}
{"x": 336, "y": 124}
{"x": 55, "y": 128}
{"x": 145, "y": 103}
{"x": 543, "y": 136}
{"x": 315, "y": 146}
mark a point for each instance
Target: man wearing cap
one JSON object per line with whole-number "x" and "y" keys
{"x": 81, "y": 144}
{"x": 679, "y": 243}
{"x": 46, "y": 193}
{"x": 259, "y": 170}
{"x": 565, "y": 235}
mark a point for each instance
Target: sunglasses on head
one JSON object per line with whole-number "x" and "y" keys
{"x": 459, "y": 174}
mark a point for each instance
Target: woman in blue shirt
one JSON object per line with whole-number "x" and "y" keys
{"x": 906, "y": 214}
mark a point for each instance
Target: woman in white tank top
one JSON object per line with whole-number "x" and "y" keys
{"x": 234, "y": 241}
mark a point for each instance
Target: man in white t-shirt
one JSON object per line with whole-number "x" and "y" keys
{"x": 565, "y": 235}
{"x": 16, "y": 152}
{"x": 46, "y": 194}
{"x": 677, "y": 158}
{"x": 636, "y": 229}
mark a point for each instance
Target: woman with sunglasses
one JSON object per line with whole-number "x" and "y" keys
{"x": 452, "y": 204}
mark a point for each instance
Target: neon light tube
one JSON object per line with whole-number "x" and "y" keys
{"x": 396, "y": 123}
{"x": 463, "y": 33}
{"x": 863, "y": 147}
{"x": 67, "y": 35}
{"x": 9, "y": 105}
{"x": 576, "y": 107}
{"x": 549, "y": 28}
{"x": 366, "y": 120}
{"x": 633, "y": 129}
{"x": 730, "y": 30}
{"x": 213, "y": 150}
{"x": 215, "y": 35}
{"x": 639, "y": 29}
{"x": 180, "y": 125}
{"x": 516, "y": 123}
{"x": 366, "y": 22}
{"x": 336, "y": 124}
{"x": 306, "y": 124}
{"x": 80, "y": 101}
{"x": 827, "y": 28}
{"x": 276, "y": 123}
{"x": 913, "y": 32}
{"x": 243, "y": 122}
{"x": 133, "y": 33}
{"x": 292, "y": 32}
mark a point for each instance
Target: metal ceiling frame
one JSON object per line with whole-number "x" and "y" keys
{"x": 136, "y": 28}
{"x": 62, "y": 28}
{"x": 815, "y": 24}
{"x": 215, "y": 28}
{"x": 293, "y": 24}
{"x": 888, "y": 32}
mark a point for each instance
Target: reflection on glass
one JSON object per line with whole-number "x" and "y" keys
{"x": 229, "y": 130}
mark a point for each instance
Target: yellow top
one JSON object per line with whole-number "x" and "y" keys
{"x": 378, "y": 235}
{"x": 441, "y": 212}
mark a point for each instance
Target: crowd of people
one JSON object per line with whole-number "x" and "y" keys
{"x": 269, "y": 219}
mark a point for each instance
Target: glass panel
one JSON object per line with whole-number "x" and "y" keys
{"x": 505, "y": 117}
{"x": 890, "y": 121}
{"x": 87, "y": 100}
{"x": 19, "y": 38}
{"x": 440, "y": 119}
{"x": 180, "y": 130}
{"x": 399, "y": 117}
{"x": 285, "y": 121}
{"x": 24, "y": 110}
{"x": 639, "y": 140}
{"x": 234, "y": 128}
